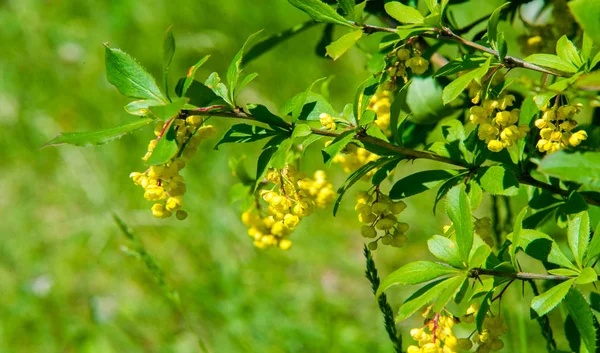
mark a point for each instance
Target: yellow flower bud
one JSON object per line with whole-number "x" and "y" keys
{"x": 181, "y": 215}
{"x": 174, "y": 203}
{"x": 495, "y": 146}
{"x": 368, "y": 232}
{"x": 285, "y": 244}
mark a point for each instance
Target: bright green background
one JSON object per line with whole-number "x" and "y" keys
{"x": 65, "y": 284}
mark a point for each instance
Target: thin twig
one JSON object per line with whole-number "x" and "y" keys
{"x": 523, "y": 276}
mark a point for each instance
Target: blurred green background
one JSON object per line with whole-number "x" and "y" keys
{"x": 66, "y": 284}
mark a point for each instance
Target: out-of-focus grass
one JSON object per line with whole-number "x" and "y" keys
{"x": 67, "y": 286}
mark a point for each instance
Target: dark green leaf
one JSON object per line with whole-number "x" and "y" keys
{"x": 445, "y": 250}
{"x": 403, "y": 13}
{"x": 415, "y": 273}
{"x": 459, "y": 212}
{"x": 419, "y": 182}
{"x": 243, "y": 133}
{"x": 384, "y": 171}
{"x": 320, "y": 12}
{"x": 279, "y": 158}
{"x": 168, "y": 52}
{"x": 363, "y": 94}
{"x": 273, "y": 40}
{"x": 492, "y": 31}
{"x": 551, "y": 61}
{"x": 483, "y": 310}
{"x": 422, "y": 297}
{"x": 542, "y": 247}
{"x": 583, "y": 317}
{"x": 446, "y": 186}
{"x": 98, "y": 137}
{"x": 166, "y": 148}
{"x": 313, "y": 106}
{"x": 456, "y": 87}
{"x": 579, "y": 235}
{"x": 235, "y": 68}
{"x": 337, "y": 146}
{"x": 202, "y": 96}
{"x": 336, "y": 49}
{"x": 516, "y": 235}
{"x": 497, "y": 180}
{"x": 262, "y": 114}
{"x": 129, "y": 77}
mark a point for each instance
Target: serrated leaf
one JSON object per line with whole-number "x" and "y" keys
{"x": 583, "y": 168}
{"x": 583, "y": 317}
{"x": 98, "y": 137}
{"x": 422, "y": 297}
{"x": 235, "y": 67}
{"x": 551, "y": 61}
{"x": 403, "y": 13}
{"x": 415, "y": 273}
{"x": 497, "y": 180}
{"x": 544, "y": 303}
{"x": 566, "y": 50}
{"x": 578, "y": 235}
{"x": 129, "y": 77}
{"x": 456, "y": 87}
{"x": 445, "y": 250}
{"x": 336, "y": 146}
{"x": 273, "y": 40}
{"x": 419, "y": 182}
{"x": 166, "y": 147}
{"x": 336, "y": 49}
{"x": 320, "y": 12}
{"x": 587, "y": 275}
{"x": 168, "y": 52}
{"x": 458, "y": 209}
{"x": 587, "y": 13}
{"x": 244, "y": 133}
{"x": 452, "y": 287}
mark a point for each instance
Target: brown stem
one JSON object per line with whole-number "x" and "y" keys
{"x": 410, "y": 153}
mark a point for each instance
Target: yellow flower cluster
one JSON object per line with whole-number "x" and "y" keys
{"x": 162, "y": 183}
{"x": 497, "y": 126}
{"x": 437, "y": 337}
{"x": 493, "y": 327}
{"x": 416, "y": 63}
{"x": 291, "y": 198}
{"x": 555, "y": 127}
{"x": 353, "y": 157}
{"x": 380, "y": 103}
{"x": 327, "y": 121}
{"x": 378, "y": 212}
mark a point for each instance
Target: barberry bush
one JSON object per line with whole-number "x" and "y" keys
{"x": 521, "y": 132}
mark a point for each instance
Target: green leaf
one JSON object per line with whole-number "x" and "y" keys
{"x": 336, "y": 49}
{"x": 279, "y": 158}
{"x": 246, "y": 80}
{"x": 359, "y": 11}
{"x": 244, "y": 133}
{"x": 497, "y": 180}
{"x": 166, "y": 147}
{"x": 129, "y": 77}
{"x": 567, "y": 51}
{"x": 363, "y": 94}
{"x": 452, "y": 287}
{"x": 168, "y": 52}
{"x": 456, "y": 87}
{"x": 320, "y": 12}
{"x": 423, "y": 100}
{"x": 578, "y": 235}
{"x": 348, "y": 7}
{"x": 273, "y": 40}
{"x": 551, "y": 61}
{"x": 587, "y": 13}
{"x": 544, "y": 303}
{"x": 445, "y": 250}
{"x": 415, "y": 273}
{"x": 182, "y": 88}
{"x": 483, "y": 310}
{"x": 446, "y": 186}
{"x": 587, "y": 275}
{"x": 459, "y": 212}
{"x": 337, "y": 146}
{"x": 166, "y": 112}
{"x": 419, "y": 182}
{"x": 564, "y": 272}
{"x": 542, "y": 247}
{"x": 403, "y": 13}
{"x": 466, "y": 62}
{"x": 262, "y": 114}
{"x": 593, "y": 249}
{"x": 589, "y": 82}
{"x": 382, "y": 173}
{"x": 586, "y": 47}
{"x": 583, "y": 317}
{"x": 356, "y": 176}
{"x": 235, "y": 68}
{"x": 583, "y": 168}
{"x": 475, "y": 195}
{"x": 264, "y": 159}
{"x": 422, "y": 297}
{"x": 296, "y": 104}
{"x": 202, "y": 96}
{"x": 492, "y": 31}
{"x": 98, "y": 137}
{"x": 214, "y": 83}
{"x": 141, "y": 107}
{"x": 301, "y": 130}
{"x": 516, "y": 235}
